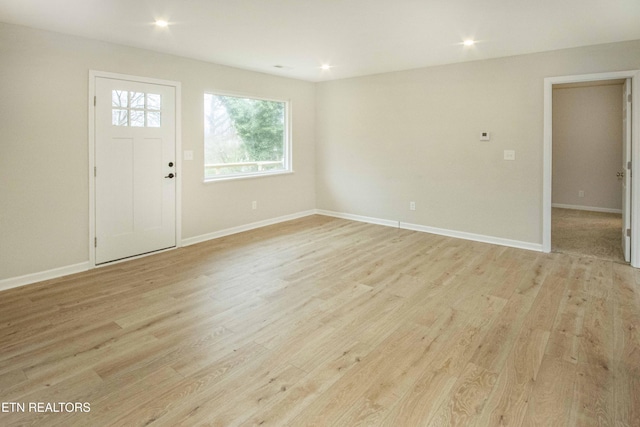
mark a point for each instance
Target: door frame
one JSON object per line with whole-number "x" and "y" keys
{"x": 634, "y": 75}
{"x": 93, "y": 75}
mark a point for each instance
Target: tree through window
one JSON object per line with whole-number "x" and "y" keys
{"x": 244, "y": 136}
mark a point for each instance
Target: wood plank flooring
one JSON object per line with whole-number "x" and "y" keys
{"x": 322, "y": 321}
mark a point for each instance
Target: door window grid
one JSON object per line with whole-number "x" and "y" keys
{"x": 135, "y": 109}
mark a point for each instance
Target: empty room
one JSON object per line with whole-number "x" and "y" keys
{"x": 297, "y": 213}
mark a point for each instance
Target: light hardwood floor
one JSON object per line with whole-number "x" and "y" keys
{"x": 322, "y": 321}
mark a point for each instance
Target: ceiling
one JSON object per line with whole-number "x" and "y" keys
{"x": 357, "y": 37}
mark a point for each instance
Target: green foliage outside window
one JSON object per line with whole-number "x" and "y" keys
{"x": 247, "y": 134}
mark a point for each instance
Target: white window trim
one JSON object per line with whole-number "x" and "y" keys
{"x": 288, "y": 143}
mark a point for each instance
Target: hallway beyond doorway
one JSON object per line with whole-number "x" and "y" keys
{"x": 586, "y": 233}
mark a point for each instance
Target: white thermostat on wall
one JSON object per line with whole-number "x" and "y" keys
{"x": 484, "y": 136}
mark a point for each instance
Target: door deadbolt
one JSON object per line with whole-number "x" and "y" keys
{"x": 170, "y": 164}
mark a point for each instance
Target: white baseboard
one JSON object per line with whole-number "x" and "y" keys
{"x": 239, "y": 229}
{"x": 472, "y": 236}
{"x": 434, "y": 230}
{"x": 586, "y": 208}
{"x": 359, "y": 218}
{"x": 14, "y": 282}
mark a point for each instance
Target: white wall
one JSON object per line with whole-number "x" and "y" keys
{"x": 364, "y": 146}
{"x": 44, "y": 194}
{"x": 388, "y": 139}
{"x": 587, "y": 145}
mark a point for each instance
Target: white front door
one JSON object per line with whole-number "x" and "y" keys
{"x": 626, "y": 180}
{"x": 135, "y": 156}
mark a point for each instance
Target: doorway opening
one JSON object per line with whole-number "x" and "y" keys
{"x": 584, "y": 203}
{"x": 587, "y": 173}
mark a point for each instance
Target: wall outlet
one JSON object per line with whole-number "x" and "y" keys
{"x": 188, "y": 155}
{"x": 254, "y": 205}
{"x": 485, "y": 136}
{"x": 509, "y": 155}
{"x": 412, "y": 206}
{"x": 581, "y": 193}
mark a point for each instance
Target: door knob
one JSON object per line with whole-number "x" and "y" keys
{"x": 170, "y": 175}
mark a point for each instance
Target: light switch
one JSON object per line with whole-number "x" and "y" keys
{"x": 188, "y": 155}
{"x": 485, "y": 136}
{"x": 509, "y": 155}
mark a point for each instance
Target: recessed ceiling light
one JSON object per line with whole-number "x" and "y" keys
{"x": 469, "y": 42}
{"x": 162, "y": 23}
{"x": 325, "y": 66}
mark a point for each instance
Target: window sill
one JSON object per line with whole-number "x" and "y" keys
{"x": 246, "y": 176}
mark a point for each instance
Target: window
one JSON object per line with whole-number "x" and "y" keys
{"x": 245, "y": 137}
{"x": 135, "y": 109}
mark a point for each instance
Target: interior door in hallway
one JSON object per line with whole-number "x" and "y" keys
{"x": 135, "y": 154}
{"x": 626, "y": 180}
